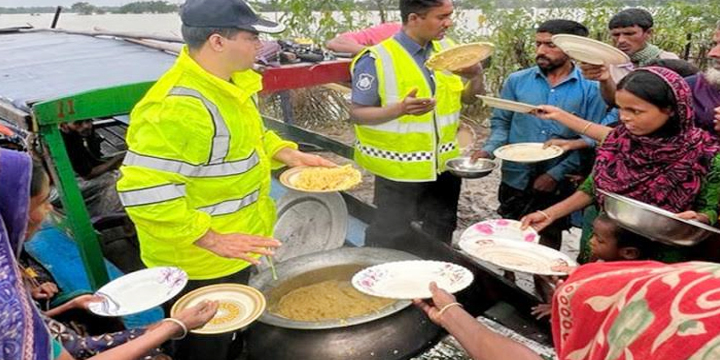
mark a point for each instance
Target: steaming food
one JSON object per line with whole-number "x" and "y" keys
{"x": 328, "y": 300}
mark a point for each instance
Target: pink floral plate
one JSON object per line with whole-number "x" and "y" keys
{"x": 139, "y": 291}
{"x": 518, "y": 256}
{"x": 411, "y": 279}
{"x": 500, "y": 230}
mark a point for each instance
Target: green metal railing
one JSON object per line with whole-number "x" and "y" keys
{"x": 47, "y": 116}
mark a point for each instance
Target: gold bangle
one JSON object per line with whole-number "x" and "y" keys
{"x": 545, "y": 215}
{"x": 585, "y": 129}
{"x": 444, "y": 308}
{"x": 182, "y": 326}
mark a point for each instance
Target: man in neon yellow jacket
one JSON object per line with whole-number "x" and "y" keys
{"x": 196, "y": 178}
{"x": 407, "y": 118}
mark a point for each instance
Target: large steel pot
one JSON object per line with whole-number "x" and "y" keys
{"x": 398, "y": 331}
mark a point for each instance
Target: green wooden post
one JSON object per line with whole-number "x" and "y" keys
{"x": 74, "y": 206}
{"x": 48, "y": 115}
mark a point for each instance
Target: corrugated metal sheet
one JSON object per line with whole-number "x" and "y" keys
{"x": 43, "y": 65}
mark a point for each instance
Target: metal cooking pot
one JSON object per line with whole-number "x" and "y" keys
{"x": 654, "y": 223}
{"x": 397, "y": 331}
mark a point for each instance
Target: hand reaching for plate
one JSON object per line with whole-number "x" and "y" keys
{"x": 549, "y": 112}
{"x": 198, "y": 315}
{"x": 692, "y": 215}
{"x": 595, "y": 72}
{"x": 470, "y": 72}
{"x": 566, "y": 144}
{"x": 432, "y": 307}
{"x": 538, "y": 220}
{"x": 84, "y": 301}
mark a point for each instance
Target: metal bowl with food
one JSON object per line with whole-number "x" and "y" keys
{"x": 464, "y": 167}
{"x": 655, "y": 223}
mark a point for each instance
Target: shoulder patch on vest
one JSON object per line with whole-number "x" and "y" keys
{"x": 365, "y": 82}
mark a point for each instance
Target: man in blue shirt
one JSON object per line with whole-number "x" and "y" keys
{"x": 557, "y": 81}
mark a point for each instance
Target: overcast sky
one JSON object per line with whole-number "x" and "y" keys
{"x": 67, "y": 3}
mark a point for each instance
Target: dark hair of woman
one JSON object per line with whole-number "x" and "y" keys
{"x": 653, "y": 89}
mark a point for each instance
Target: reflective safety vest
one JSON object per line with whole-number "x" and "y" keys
{"x": 198, "y": 158}
{"x": 410, "y": 148}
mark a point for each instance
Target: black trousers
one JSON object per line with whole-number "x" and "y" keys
{"x": 226, "y": 346}
{"x": 398, "y": 204}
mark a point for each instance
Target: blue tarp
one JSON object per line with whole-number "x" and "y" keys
{"x": 44, "y": 65}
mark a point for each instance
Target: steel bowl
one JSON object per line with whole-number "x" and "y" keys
{"x": 655, "y": 223}
{"x": 464, "y": 167}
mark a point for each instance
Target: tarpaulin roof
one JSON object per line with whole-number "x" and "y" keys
{"x": 43, "y": 65}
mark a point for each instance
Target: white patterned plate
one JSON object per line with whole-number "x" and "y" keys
{"x": 139, "y": 291}
{"x": 589, "y": 50}
{"x": 518, "y": 256}
{"x": 500, "y": 229}
{"x": 509, "y": 105}
{"x": 239, "y": 305}
{"x": 411, "y": 279}
{"x": 527, "y": 152}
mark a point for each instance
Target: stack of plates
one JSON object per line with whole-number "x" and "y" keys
{"x": 503, "y": 244}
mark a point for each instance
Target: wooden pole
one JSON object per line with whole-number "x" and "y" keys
{"x": 56, "y": 17}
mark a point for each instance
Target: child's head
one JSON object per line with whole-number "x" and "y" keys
{"x": 610, "y": 242}
{"x": 39, "y": 198}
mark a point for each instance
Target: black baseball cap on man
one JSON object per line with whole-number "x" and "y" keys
{"x": 226, "y": 14}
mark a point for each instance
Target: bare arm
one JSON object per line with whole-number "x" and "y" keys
{"x": 343, "y": 44}
{"x": 581, "y": 126}
{"x": 541, "y": 219}
{"x": 479, "y": 341}
{"x": 112, "y": 164}
{"x": 80, "y": 302}
{"x": 193, "y": 318}
{"x": 475, "y": 84}
{"x": 607, "y": 89}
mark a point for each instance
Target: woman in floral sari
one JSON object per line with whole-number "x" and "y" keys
{"x": 610, "y": 311}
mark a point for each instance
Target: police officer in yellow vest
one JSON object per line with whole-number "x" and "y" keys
{"x": 196, "y": 178}
{"x": 406, "y": 120}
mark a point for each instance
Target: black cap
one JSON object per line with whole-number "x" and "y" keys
{"x": 226, "y": 14}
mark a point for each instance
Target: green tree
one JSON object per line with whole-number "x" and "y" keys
{"x": 83, "y": 8}
{"x": 142, "y": 7}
